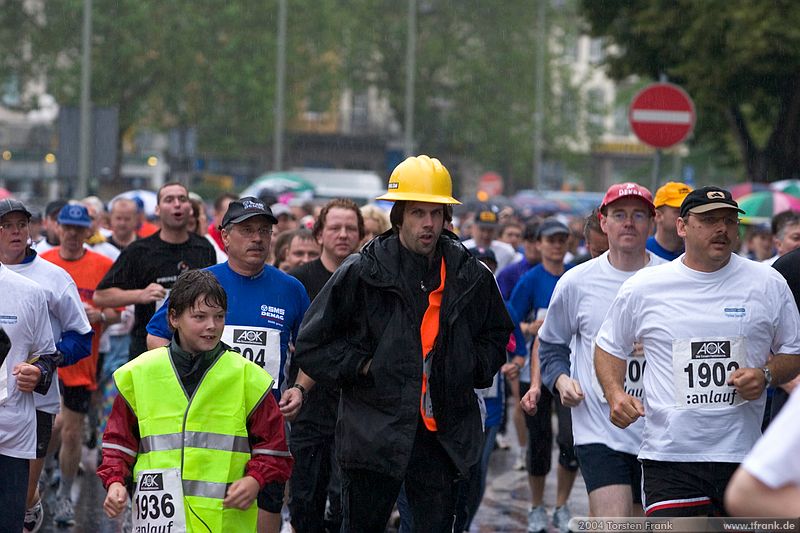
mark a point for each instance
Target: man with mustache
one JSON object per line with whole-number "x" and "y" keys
{"x": 407, "y": 329}
{"x": 265, "y": 308}
{"x": 707, "y": 323}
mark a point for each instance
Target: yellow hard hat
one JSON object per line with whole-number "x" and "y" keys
{"x": 420, "y": 179}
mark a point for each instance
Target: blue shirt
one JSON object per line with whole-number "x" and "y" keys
{"x": 264, "y": 314}
{"x": 653, "y": 246}
{"x": 532, "y": 294}
{"x": 510, "y": 275}
{"x": 495, "y": 397}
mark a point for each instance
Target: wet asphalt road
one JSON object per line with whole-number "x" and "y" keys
{"x": 504, "y": 507}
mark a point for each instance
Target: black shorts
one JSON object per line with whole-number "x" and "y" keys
{"x": 76, "y": 398}
{"x": 538, "y": 458}
{"x": 685, "y": 489}
{"x": 601, "y": 466}
{"x": 44, "y": 431}
{"x": 270, "y": 498}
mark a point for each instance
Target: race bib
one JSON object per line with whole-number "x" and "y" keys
{"x": 158, "y": 501}
{"x": 160, "y": 303}
{"x": 701, "y": 368}
{"x": 634, "y": 374}
{"x": 259, "y": 345}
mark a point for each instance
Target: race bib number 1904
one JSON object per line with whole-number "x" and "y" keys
{"x": 701, "y": 368}
{"x": 158, "y": 501}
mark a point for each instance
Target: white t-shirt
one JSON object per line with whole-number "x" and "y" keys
{"x": 65, "y": 311}
{"x": 220, "y": 253}
{"x": 775, "y": 460}
{"x": 696, "y": 329}
{"x": 577, "y": 308}
{"x": 23, "y": 316}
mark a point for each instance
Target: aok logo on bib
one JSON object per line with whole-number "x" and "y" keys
{"x": 249, "y": 336}
{"x": 151, "y": 481}
{"x": 701, "y": 369}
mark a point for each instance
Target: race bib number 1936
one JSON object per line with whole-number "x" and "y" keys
{"x": 701, "y": 368}
{"x": 158, "y": 501}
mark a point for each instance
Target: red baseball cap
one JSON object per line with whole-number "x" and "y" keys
{"x": 627, "y": 190}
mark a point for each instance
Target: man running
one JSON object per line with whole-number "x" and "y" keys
{"x": 606, "y": 454}
{"x": 707, "y": 324}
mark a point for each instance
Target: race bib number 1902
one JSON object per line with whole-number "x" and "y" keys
{"x": 158, "y": 501}
{"x": 701, "y": 368}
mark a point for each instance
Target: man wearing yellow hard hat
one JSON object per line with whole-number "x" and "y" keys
{"x": 407, "y": 328}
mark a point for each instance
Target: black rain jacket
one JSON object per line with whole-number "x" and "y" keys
{"x": 365, "y": 312}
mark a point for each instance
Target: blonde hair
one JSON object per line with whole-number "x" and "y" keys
{"x": 373, "y": 212}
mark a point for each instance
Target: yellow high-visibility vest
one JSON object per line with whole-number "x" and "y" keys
{"x": 204, "y": 436}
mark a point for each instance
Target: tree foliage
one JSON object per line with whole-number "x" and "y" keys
{"x": 739, "y": 59}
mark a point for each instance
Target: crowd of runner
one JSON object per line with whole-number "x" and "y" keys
{"x": 250, "y": 364}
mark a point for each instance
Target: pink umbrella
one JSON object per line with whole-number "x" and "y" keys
{"x": 4, "y": 193}
{"x": 745, "y": 188}
{"x": 761, "y": 206}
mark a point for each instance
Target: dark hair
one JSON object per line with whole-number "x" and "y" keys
{"x": 399, "y": 209}
{"x": 592, "y": 223}
{"x": 197, "y": 207}
{"x": 783, "y": 219}
{"x": 282, "y": 246}
{"x": 505, "y": 225}
{"x": 170, "y": 184}
{"x": 221, "y": 198}
{"x": 193, "y": 285}
{"x": 341, "y": 203}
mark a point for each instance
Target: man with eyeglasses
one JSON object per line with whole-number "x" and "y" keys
{"x": 606, "y": 454}
{"x": 264, "y": 313}
{"x": 147, "y": 268}
{"x": 707, "y": 323}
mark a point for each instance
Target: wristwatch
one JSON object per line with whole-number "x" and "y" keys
{"x": 302, "y": 391}
{"x": 767, "y": 376}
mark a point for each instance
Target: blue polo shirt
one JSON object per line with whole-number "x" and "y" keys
{"x": 263, "y": 316}
{"x": 653, "y": 246}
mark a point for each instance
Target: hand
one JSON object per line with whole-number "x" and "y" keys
{"x": 569, "y": 390}
{"x": 152, "y": 293}
{"x": 789, "y": 386}
{"x": 28, "y": 376}
{"x": 510, "y": 370}
{"x": 749, "y": 382}
{"x": 530, "y": 400}
{"x": 291, "y": 402}
{"x": 242, "y": 493}
{"x": 92, "y": 313}
{"x": 116, "y": 499}
{"x": 625, "y": 409}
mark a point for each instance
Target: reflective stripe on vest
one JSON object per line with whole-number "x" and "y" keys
{"x": 205, "y": 436}
{"x": 429, "y": 330}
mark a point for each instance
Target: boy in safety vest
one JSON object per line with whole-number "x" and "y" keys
{"x": 194, "y": 433}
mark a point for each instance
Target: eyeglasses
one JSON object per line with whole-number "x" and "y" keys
{"x": 247, "y": 231}
{"x": 11, "y": 226}
{"x": 711, "y": 220}
{"x": 621, "y": 216}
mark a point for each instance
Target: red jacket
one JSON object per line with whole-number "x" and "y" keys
{"x": 265, "y": 429}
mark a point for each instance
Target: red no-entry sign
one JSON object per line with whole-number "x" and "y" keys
{"x": 661, "y": 115}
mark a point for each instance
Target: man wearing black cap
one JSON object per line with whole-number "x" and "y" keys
{"x": 264, "y": 313}
{"x": 147, "y": 268}
{"x": 485, "y": 233}
{"x": 707, "y": 323}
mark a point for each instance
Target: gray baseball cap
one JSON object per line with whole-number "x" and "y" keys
{"x": 9, "y": 205}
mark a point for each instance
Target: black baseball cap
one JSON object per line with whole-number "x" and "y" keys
{"x": 9, "y": 205}
{"x": 707, "y": 199}
{"x": 551, "y": 226}
{"x": 484, "y": 254}
{"x": 244, "y": 208}
{"x": 53, "y": 208}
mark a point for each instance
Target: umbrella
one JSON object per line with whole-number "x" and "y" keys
{"x": 148, "y": 198}
{"x": 787, "y": 186}
{"x": 280, "y": 183}
{"x": 760, "y": 207}
{"x": 745, "y": 188}
{"x": 4, "y": 193}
